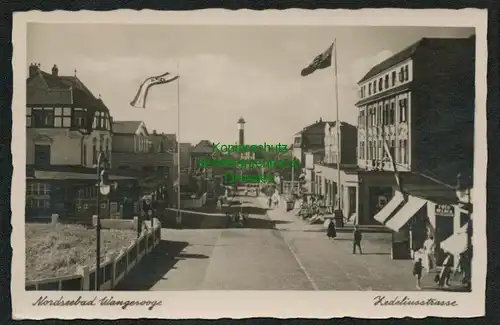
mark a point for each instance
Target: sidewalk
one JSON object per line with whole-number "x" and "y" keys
{"x": 332, "y": 265}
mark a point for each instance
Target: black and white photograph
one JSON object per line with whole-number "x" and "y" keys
{"x": 249, "y": 159}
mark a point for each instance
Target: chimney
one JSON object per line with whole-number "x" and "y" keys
{"x": 33, "y": 69}
{"x": 154, "y": 132}
{"x": 55, "y": 71}
{"x": 320, "y": 120}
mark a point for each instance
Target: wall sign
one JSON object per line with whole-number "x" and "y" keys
{"x": 445, "y": 210}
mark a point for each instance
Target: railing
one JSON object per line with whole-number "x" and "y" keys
{"x": 113, "y": 270}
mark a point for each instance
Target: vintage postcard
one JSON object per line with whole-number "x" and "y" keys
{"x": 213, "y": 164}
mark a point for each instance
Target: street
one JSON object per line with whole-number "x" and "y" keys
{"x": 274, "y": 251}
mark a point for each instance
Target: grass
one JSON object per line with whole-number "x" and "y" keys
{"x": 58, "y": 250}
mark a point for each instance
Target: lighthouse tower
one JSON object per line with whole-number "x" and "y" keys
{"x": 241, "y": 130}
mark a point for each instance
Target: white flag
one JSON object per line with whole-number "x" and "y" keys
{"x": 142, "y": 93}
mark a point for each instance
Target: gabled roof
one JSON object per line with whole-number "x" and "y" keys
{"x": 393, "y": 60}
{"x": 126, "y": 127}
{"x": 409, "y": 52}
{"x": 319, "y": 125}
{"x": 82, "y": 96}
{"x": 204, "y": 146}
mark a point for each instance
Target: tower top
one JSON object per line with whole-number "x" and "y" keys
{"x": 241, "y": 120}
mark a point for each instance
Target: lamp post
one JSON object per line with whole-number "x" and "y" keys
{"x": 103, "y": 188}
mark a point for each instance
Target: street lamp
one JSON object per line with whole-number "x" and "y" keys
{"x": 104, "y": 189}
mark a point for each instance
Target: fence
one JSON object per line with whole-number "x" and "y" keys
{"x": 112, "y": 270}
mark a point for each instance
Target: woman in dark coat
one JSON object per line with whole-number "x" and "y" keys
{"x": 331, "y": 231}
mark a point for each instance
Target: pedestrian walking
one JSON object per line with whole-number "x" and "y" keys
{"x": 429, "y": 247}
{"x": 269, "y": 202}
{"x": 357, "y": 236}
{"x": 331, "y": 231}
{"x": 417, "y": 271}
{"x": 445, "y": 275}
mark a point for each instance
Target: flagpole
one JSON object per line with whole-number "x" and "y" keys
{"x": 337, "y": 123}
{"x": 179, "y": 216}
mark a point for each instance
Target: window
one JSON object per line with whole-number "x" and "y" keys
{"x": 361, "y": 150}
{"x": 406, "y": 75}
{"x": 403, "y": 110}
{"x": 38, "y": 195}
{"x": 405, "y": 151}
{"x": 28, "y": 117}
{"x": 370, "y": 88}
{"x": 380, "y": 85}
{"x": 401, "y": 75}
{"x": 42, "y": 155}
{"x": 374, "y": 86}
{"x": 392, "y": 148}
{"x": 386, "y": 114}
{"x": 94, "y": 151}
{"x": 380, "y": 150}
{"x": 379, "y": 114}
{"x": 78, "y": 120}
{"x": 391, "y": 114}
{"x": 42, "y": 117}
{"x": 62, "y": 117}
{"x": 393, "y": 78}
{"x": 386, "y": 81}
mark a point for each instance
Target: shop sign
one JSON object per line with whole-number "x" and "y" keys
{"x": 445, "y": 210}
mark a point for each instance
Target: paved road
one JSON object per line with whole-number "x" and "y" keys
{"x": 276, "y": 251}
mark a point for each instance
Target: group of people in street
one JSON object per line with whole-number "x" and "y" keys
{"x": 357, "y": 236}
{"x": 427, "y": 262}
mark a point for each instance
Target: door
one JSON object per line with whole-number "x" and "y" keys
{"x": 42, "y": 155}
{"x": 444, "y": 229}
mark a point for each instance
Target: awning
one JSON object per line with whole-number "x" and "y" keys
{"x": 389, "y": 208}
{"x": 456, "y": 243}
{"x": 405, "y": 213}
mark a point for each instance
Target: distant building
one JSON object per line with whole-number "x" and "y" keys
{"x": 325, "y": 174}
{"x": 421, "y": 103}
{"x": 138, "y": 152}
{"x": 311, "y": 137}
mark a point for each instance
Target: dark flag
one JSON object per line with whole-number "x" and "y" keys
{"x": 142, "y": 93}
{"x": 322, "y": 61}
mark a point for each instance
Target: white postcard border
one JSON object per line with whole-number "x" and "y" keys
{"x": 244, "y": 304}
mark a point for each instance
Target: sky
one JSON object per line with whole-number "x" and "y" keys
{"x": 225, "y": 72}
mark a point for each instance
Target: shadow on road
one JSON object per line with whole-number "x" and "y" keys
{"x": 155, "y": 266}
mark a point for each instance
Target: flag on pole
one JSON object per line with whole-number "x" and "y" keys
{"x": 142, "y": 93}
{"x": 322, "y": 61}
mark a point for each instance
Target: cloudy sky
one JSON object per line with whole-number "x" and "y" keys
{"x": 226, "y": 72}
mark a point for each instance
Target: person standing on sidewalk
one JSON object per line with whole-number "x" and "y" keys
{"x": 417, "y": 271}
{"x": 357, "y": 236}
{"x": 429, "y": 247}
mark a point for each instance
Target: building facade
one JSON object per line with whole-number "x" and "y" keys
{"x": 325, "y": 174}
{"x": 66, "y": 129}
{"x": 311, "y": 137}
{"x": 417, "y": 108}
